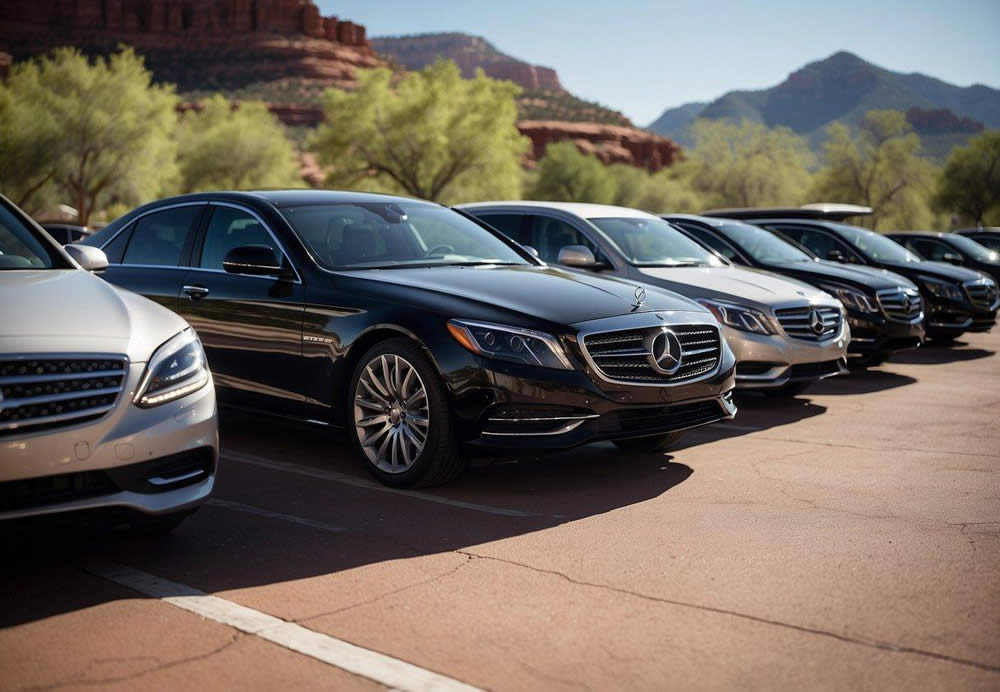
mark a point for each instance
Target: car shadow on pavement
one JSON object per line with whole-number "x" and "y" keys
{"x": 757, "y": 411}
{"x": 860, "y": 382}
{"x": 934, "y": 354}
{"x": 268, "y": 525}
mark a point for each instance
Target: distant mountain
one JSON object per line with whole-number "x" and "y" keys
{"x": 844, "y": 87}
{"x": 543, "y": 98}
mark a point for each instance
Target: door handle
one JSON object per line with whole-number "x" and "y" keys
{"x": 195, "y": 292}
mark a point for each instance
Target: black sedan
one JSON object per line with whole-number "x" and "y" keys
{"x": 417, "y": 329}
{"x": 956, "y": 299}
{"x": 951, "y": 248}
{"x": 884, "y": 309}
{"x": 988, "y": 237}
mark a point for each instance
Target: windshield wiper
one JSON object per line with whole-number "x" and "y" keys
{"x": 674, "y": 264}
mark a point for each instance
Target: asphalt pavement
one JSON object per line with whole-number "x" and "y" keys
{"x": 847, "y": 539}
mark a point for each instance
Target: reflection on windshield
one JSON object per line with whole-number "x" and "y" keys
{"x": 876, "y": 246}
{"x": 649, "y": 241}
{"x": 392, "y": 235}
{"x": 19, "y": 248}
{"x": 763, "y": 246}
{"x": 974, "y": 249}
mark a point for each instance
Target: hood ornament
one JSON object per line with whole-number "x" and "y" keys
{"x": 640, "y": 297}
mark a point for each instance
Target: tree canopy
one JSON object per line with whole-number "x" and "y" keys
{"x": 234, "y": 147}
{"x": 970, "y": 181}
{"x": 430, "y": 134}
{"x": 95, "y": 132}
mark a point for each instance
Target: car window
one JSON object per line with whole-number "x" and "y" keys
{"x": 549, "y": 236}
{"x": 928, "y": 248}
{"x": 763, "y": 246}
{"x": 508, "y": 224}
{"x": 19, "y": 248}
{"x": 991, "y": 242}
{"x": 875, "y": 245}
{"x": 820, "y": 243}
{"x": 709, "y": 239}
{"x": 231, "y": 228}
{"x": 651, "y": 241}
{"x": 60, "y": 235}
{"x": 972, "y": 248}
{"x": 159, "y": 238}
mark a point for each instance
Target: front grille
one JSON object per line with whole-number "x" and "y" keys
{"x": 798, "y": 322}
{"x": 50, "y": 490}
{"x": 901, "y": 304}
{"x": 662, "y": 418}
{"x": 47, "y": 392}
{"x": 624, "y": 356}
{"x": 981, "y": 294}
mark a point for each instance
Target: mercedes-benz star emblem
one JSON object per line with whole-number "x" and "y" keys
{"x": 816, "y": 322}
{"x": 640, "y": 296}
{"x": 665, "y": 352}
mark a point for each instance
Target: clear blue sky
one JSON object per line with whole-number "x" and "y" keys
{"x": 641, "y": 56}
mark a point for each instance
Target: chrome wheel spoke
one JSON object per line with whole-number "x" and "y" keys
{"x": 391, "y": 413}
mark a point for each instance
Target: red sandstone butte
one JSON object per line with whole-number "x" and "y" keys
{"x": 610, "y": 143}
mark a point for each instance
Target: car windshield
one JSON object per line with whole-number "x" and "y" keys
{"x": 20, "y": 247}
{"x": 652, "y": 242}
{"x": 875, "y": 245}
{"x": 973, "y": 249}
{"x": 390, "y": 235}
{"x": 763, "y": 246}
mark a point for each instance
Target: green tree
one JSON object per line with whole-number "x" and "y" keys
{"x": 970, "y": 181}
{"x": 105, "y": 130}
{"x": 432, "y": 134}
{"x": 880, "y": 168}
{"x": 748, "y": 165}
{"x": 565, "y": 174}
{"x": 237, "y": 148}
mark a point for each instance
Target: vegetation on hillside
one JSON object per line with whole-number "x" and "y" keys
{"x": 549, "y": 104}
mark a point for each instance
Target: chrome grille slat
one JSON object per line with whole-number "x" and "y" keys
{"x": 616, "y": 358}
{"x": 796, "y": 322}
{"x": 980, "y": 294}
{"x": 901, "y": 304}
{"x": 52, "y": 391}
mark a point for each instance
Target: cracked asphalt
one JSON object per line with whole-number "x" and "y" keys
{"x": 845, "y": 539}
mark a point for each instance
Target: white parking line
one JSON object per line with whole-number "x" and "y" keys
{"x": 373, "y": 665}
{"x": 261, "y": 512}
{"x": 336, "y": 477}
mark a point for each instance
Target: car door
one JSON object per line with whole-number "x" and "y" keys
{"x": 250, "y": 326}
{"x": 149, "y": 256}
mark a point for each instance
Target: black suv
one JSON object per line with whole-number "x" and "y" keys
{"x": 956, "y": 299}
{"x": 884, "y": 310}
{"x": 951, "y": 248}
{"x": 416, "y": 328}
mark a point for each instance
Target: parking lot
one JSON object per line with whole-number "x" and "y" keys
{"x": 847, "y": 538}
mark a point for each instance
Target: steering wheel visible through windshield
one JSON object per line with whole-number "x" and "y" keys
{"x": 390, "y": 235}
{"x": 876, "y": 246}
{"x": 652, "y": 242}
{"x": 763, "y": 246}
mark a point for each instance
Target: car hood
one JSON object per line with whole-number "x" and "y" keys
{"x": 763, "y": 289}
{"x": 73, "y": 311}
{"x": 872, "y": 277}
{"x": 941, "y": 270}
{"x": 548, "y": 293}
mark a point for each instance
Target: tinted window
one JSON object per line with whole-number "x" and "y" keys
{"x": 988, "y": 241}
{"x": 60, "y": 235}
{"x": 711, "y": 241}
{"x": 230, "y": 228}
{"x": 508, "y": 224}
{"x": 19, "y": 248}
{"x": 653, "y": 241}
{"x": 972, "y": 248}
{"x": 762, "y": 245}
{"x": 367, "y": 235}
{"x": 159, "y": 238}
{"x": 927, "y": 248}
{"x": 820, "y": 243}
{"x": 876, "y": 245}
{"x": 549, "y": 236}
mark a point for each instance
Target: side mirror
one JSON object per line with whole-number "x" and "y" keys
{"x": 836, "y": 256}
{"x": 253, "y": 260}
{"x": 952, "y": 257}
{"x": 90, "y": 258}
{"x": 578, "y": 256}
{"x": 532, "y": 250}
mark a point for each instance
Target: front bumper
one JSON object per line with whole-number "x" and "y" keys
{"x": 874, "y": 335}
{"x": 765, "y": 362}
{"x": 154, "y": 461}
{"x": 954, "y": 318}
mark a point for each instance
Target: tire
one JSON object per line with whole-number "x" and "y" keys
{"x": 790, "y": 389}
{"x": 385, "y": 378}
{"x": 650, "y": 444}
{"x": 159, "y": 525}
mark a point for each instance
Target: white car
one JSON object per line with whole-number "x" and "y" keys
{"x": 785, "y": 334}
{"x": 106, "y": 401}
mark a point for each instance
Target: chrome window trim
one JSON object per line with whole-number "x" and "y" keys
{"x": 142, "y": 216}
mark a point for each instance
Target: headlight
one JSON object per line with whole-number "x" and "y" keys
{"x": 740, "y": 317}
{"x": 943, "y": 289}
{"x": 510, "y": 343}
{"x": 177, "y": 368}
{"x": 851, "y": 298}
